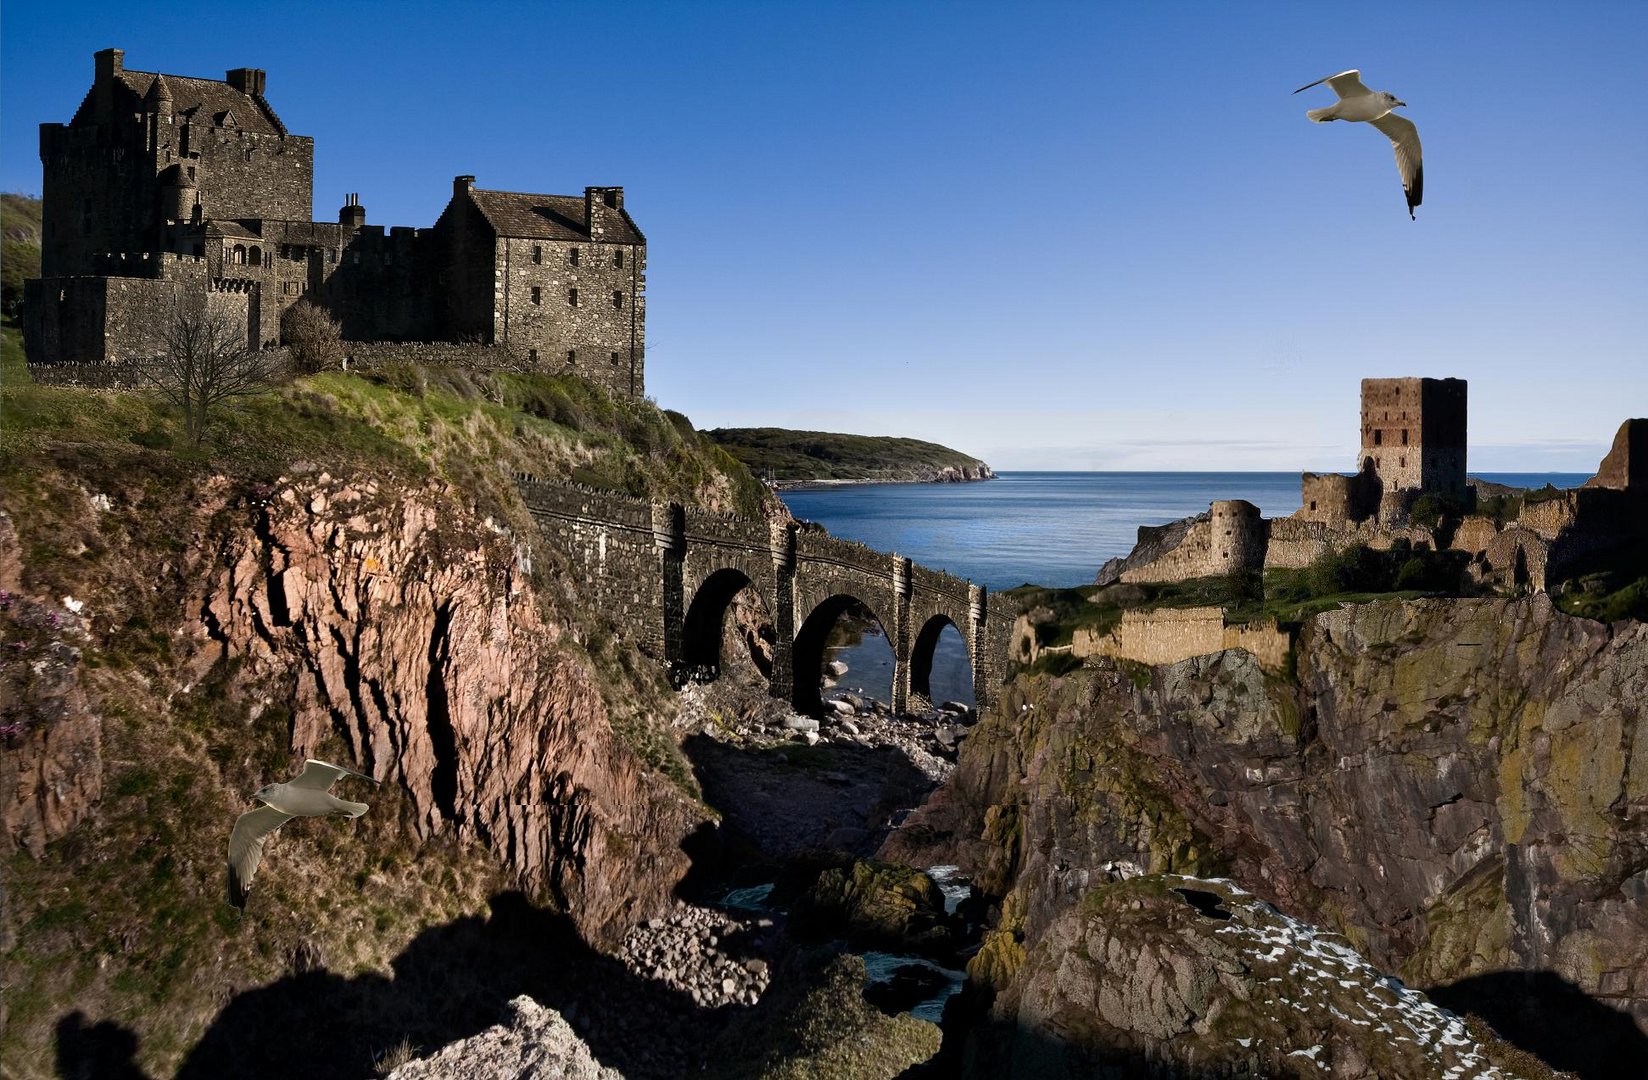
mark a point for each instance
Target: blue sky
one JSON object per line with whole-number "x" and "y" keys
{"x": 1083, "y": 236}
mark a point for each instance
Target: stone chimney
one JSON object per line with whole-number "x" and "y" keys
{"x": 600, "y": 203}
{"x": 462, "y": 185}
{"x": 248, "y": 81}
{"x": 353, "y": 213}
{"x": 108, "y": 64}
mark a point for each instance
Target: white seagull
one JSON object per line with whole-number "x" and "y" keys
{"x": 305, "y": 795}
{"x": 1357, "y": 102}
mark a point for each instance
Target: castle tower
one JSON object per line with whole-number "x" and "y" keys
{"x": 1413, "y": 430}
{"x": 1236, "y": 543}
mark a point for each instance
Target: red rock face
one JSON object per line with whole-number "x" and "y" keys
{"x": 421, "y": 641}
{"x": 404, "y": 626}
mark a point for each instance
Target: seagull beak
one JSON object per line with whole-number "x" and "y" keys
{"x": 1402, "y": 103}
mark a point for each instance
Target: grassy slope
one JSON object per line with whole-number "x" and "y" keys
{"x": 19, "y": 245}
{"x": 123, "y": 918}
{"x": 789, "y": 456}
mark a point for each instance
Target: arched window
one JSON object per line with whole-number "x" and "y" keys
{"x": 240, "y": 255}
{"x": 254, "y": 256}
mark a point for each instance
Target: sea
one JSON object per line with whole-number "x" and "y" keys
{"x": 1043, "y": 528}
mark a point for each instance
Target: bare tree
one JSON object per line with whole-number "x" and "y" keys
{"x": 206, "y": 359}
{"x": 314, "y": 337}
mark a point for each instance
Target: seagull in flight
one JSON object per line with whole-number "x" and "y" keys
{"x": 1357, "y": 102}
{"x": 305, "y": 795}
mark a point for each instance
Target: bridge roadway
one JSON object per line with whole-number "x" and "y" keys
{"x": 667, "y": 574}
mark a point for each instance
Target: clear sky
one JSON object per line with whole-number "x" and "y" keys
{"x": 1070, "y": 236}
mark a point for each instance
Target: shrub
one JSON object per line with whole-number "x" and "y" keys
{"x": 314, "y": 337}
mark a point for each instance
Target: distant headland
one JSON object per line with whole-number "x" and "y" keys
{"x": 787, "y": 459}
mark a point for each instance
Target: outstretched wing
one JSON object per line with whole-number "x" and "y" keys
{"x": 1345, "y": 84}
{"x": 320, "y": 775}
{"x": 1405, "y": 138}
{"x": 246, "y": 848}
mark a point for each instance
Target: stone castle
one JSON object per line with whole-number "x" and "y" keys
{"x": 1413, "y": 446}
{"x": 165, "y": 190}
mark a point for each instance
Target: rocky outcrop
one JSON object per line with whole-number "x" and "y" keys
{"x": 1173, "y": 976}
{"x": 876, "y": 904}
{"x": 1154, "y": 542}
{"x": 385, "y": 622}
{"x": 534, "y": 1042}
{"x": 1457, "y": 786}
{"x": 418, "y": 639}
{"x": 51, "y": 771}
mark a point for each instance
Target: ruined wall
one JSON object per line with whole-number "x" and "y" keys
{"x": 1414, "y": 432}
{"x": 1625, "y": 466}
{"x": 1168, "y": 635}
{"x": 1232, "y": 540}
{"x": 1294, "y": 544}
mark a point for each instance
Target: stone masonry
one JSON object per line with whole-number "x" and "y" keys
{"x": 667, "y": 574}
{"x": 163, "y": 190}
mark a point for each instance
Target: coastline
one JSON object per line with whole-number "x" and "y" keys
{"x": 835, "y": 482}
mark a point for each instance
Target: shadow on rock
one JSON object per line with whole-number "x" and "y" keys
{"x": 1553, "y": 1019}
{"x": 101, "y": 1051}
{"x": 451, "y": 982}
{"x": 786, "y": 799}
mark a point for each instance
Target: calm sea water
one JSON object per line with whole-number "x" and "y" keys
{"x": 1045, "y": 528}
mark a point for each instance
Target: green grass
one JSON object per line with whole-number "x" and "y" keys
{"x": 470, "y": 429}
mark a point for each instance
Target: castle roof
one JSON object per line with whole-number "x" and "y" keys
{"x": 548, "y": 217}
{"x": 199, "y": 100}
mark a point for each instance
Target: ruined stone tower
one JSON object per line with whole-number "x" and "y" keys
{"x": 1413, "y": 431}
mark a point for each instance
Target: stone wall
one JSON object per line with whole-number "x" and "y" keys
{"x": 366, "y": 355}
{"x": 1168, "y": 635}
{"x": 577, "y": 304}
{"x": 1413, "y": 430}
{"x": 1232, "y": 540}
{"x": 612, "y": 547}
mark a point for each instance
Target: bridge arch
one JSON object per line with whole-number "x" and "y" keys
{"x": 810, "y": 642}
{"x": 925, "y": 647}
{"x": 704, "y": 627}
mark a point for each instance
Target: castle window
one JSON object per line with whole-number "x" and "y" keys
{"x": 240, "y": 255}
{"x": 537, "y": 253}
{"x": 254, "y": 256}
{"x": 572, "y": 256}
{"x": 572, "y": 356}
{"x": 191, "y": 172}
{"x": 572, "y": 296}
{"x": 1313, "y": 504}
{"x": 614, "y": 358}
{"x": 247, "y": 153}
{"x": 617, "y": 300}
{"x": 1402, "y": 462}
{"x": 1404, "y": 436}
{"x": 331, "y": 255}
{"x": 618, "y": 259}
{"x": 537, "y": 295}
{"x": 532, "y": 355}
{"x": 1378, "y": 438}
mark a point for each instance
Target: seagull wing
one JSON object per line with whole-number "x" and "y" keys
{"x": 1345, "y": 84}
{"x": 1405, "y": 138}
{"x": 320, "y": 775}
{"x": 246, "y": 848}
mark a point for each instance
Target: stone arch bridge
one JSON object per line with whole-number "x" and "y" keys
{"x": 668, "y": 575}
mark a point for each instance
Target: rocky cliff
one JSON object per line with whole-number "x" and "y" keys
{"x": 1177, "y": 976}
{"x": 184, "y": 636}
{"x": 1457, "y": 786}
